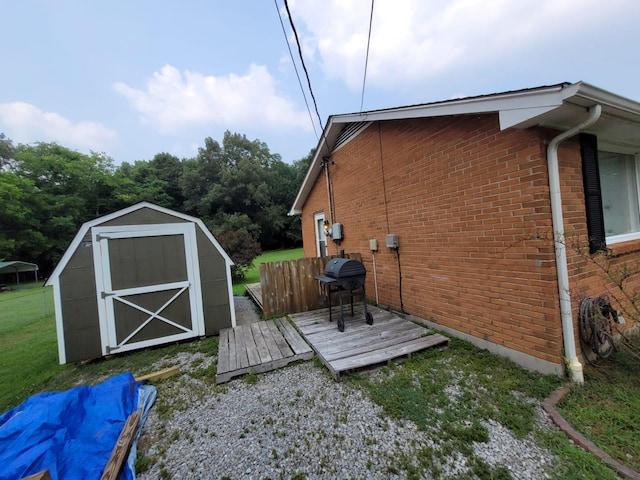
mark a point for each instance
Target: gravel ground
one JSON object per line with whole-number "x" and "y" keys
{"x": 296, "y": 422}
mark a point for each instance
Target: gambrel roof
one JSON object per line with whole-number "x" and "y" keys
{"x": 86, "y": 228}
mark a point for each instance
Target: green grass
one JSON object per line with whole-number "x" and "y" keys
{"x": 606, "y": 409}
{"x": 448, "y": 393}
{"x": 28, "y": 347}
{"x": 253, "y": 274}
{"x": 29, "y": 351}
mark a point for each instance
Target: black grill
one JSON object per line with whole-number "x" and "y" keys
{"x": 347, "y": 277}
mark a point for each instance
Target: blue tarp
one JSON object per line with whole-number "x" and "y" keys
{"x": 71, "y": 433}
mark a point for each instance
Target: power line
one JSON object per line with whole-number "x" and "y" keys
{"x": 295, "y": 34}
{"x": 366, "y": 60}
{"x": 284, "y": 32}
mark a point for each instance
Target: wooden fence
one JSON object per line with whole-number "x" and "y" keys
{"x": 291, "y": 287}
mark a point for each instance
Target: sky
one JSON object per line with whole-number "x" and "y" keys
{"x": 133, "y": 78}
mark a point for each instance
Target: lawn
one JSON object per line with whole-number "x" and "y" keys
{"x": 606, "y": 409}
{"x": 29, "y": 351}
{"x": 253, "y": 274}
{"x": 28, "y": 346}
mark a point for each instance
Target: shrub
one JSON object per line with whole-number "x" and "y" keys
{"x": 242, "y": 248}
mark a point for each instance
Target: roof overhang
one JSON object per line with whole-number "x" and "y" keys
{"x": 559, "y": 107}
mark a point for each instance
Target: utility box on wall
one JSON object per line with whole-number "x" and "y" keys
{"x": 393, "y": 241}
{"x": 336, "y": 231}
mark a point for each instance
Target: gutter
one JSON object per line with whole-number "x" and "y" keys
{"x": 574, "y": 366}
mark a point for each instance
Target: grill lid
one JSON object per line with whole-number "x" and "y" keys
{"x": 344, "y": 267}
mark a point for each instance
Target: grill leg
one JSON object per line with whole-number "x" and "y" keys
{"x": 368, "y": 317}
{"x": 341, "y": 320}
{"x": 330, "y": 308}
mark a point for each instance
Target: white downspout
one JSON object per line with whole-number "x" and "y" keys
{"x": 573, "y": 364}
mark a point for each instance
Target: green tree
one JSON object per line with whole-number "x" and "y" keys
{"x": 242, "y": 186}
{"x": 6, "y": 151}
{"x": 62, "y": 189}
{"x": 21, "y": 237}
{"x": 198, "y": 178}
{"x": 140, "y": 182}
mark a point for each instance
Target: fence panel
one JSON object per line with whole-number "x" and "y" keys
{"x": 290, "y": 286}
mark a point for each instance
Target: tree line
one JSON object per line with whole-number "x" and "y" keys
{"x": 239, "y": 188}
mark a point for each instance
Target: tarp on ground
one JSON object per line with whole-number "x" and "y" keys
{"x": 70, "y": 433}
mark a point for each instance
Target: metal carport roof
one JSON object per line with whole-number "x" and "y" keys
{"x": 17, "y": 267}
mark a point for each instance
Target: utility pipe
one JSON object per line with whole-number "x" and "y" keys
{"x": 573, "y": 364}
{"x": 375, "y": 276}
{"x": 325, "y": 164}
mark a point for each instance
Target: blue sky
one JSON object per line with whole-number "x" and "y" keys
{"x": 138, "y": 77}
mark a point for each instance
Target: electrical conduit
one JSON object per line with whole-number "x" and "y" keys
{"x": 573, "y": 364}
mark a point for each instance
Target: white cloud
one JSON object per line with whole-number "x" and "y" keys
{"x": 26, "y": 123}
{"x": 413, "y": 40}
{"x": 174, "y": 100}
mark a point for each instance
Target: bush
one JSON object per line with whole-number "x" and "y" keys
{"x": 242, "y": 248}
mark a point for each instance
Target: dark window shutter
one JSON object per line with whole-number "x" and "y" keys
{"x": 592, "y": 192}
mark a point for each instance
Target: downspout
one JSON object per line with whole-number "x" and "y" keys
{"x": 573, "y": 364}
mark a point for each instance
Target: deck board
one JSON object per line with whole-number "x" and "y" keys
{"x": 223, "y": 350}
{"x": 259, "y": 347}
{"x": 270, "y": 341}
{"x": 361, "y": 345}
{"x": 255, "y": 292}
{"x": 292, "y": 336}
{"x": 281, "y": 343}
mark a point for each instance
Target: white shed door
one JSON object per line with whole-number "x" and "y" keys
{"x": 148, "y": 285}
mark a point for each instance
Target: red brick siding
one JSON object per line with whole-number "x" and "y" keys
{"x": 471, "y": 207}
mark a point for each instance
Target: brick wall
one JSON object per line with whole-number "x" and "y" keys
{"x": 471, "y": 207}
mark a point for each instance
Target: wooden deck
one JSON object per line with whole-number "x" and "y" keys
{"x": 362, "y": 345}
{"x": 255, "y": 292}
{"x": 259, "y": 347}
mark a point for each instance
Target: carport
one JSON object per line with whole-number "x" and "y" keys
{"x": 17, "y": 267}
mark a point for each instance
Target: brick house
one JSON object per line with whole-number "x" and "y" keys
{"x": 476, "y": 189}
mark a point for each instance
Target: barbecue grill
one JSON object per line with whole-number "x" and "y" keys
{"x": 346, "y": 277}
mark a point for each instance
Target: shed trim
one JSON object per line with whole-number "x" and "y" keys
{"x": 102, "y": 268}
{"x": 85, "y": 228}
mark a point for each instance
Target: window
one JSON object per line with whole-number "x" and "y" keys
{"x": 611, "y": 188}
{"x": 619, "y": 187}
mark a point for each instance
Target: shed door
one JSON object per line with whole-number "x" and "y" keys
{"x": 148, "y": 285}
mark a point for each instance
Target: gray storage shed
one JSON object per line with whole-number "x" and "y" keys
{"x": 140, "y": 277}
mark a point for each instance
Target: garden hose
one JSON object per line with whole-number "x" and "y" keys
{"x": 596, "y": 318}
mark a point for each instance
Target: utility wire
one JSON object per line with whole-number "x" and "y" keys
{"x": 295, "y": 34}
{"x": 366, "y": 60}
{"x": 295, "y": 67}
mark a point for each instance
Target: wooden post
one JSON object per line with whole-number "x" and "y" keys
{"x": 121, "y": 449}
